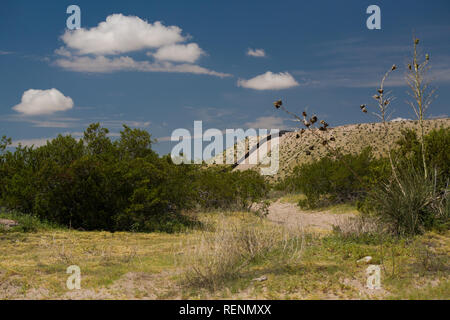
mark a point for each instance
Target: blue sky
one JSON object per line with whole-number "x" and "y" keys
{"x": 195, "y": 64}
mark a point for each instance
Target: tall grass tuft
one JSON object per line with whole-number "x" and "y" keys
{"x": 412, "y": 204}
{"x": 225, "y": 253}
{"x": 26, "y": 223}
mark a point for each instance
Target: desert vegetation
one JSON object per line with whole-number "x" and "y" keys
{"x": 140, "y": 226}
{"x": 99, "y": 184}
{"x": 398, "y": 189}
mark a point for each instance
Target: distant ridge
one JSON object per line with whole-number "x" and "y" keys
{"x": 350, "y": 138}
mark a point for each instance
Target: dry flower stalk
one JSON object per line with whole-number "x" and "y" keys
{"x": 309, "y": 125}
{"x": 420, "y": 91}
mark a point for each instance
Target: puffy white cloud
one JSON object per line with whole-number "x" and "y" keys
{"x": 89, "y": 50}
{"x": 62, "y": 51}
{"x": 37, "y": 102}
{"x": 119, "y": 34}
{"x": 260, "y": 53}
{"x": 179, "y": 52}
{"x": 101, "y": 64}
{"x": 269, "y": 81}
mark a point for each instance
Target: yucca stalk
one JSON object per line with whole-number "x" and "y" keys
{"x": 309, "y": 125}
{"x": 421, "y": 93}
{"x": 384, "y": 100}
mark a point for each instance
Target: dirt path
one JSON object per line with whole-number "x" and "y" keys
{"x": 291, "y": 215}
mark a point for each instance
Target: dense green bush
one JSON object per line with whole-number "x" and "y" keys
{"x": 437, "y": 152}
{"x": 98, "y": 183}
{"x": 219, "y": 187}
{"x": 331, "y": 180}
{"x": 411, "y": 204}
{"x": 26, "y": 222}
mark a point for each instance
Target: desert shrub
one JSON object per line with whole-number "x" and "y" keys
{"x": 410, "y": 205}
{"x": 437, "y": 156}
{"x": 221, "y": 188}
{"x": 97, "y": 183}
{"x": 224, "y": 253}
{"x": 26, "y": 222}
{"x": 361, "y": 229}
{"x": 330, "y": 180}
{"x": 414, "y": 202}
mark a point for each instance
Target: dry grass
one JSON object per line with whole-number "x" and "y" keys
{"x": 358, "y": 226}
{"x": 34, "y": 264}
{"x": 292, "y": 198}
{"x": 152, "y": 266}
{"x": 228, "y": 250}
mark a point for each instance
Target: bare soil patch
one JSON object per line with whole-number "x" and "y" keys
{"x": 292, "y": 216}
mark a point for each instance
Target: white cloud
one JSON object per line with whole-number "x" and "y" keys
{"x": 260, "y": 53}
{"x": 179, "y": 52}
{"x": 119, "y": 34}
{"x": 52, "y": 124}
{"x": 62, "y": 51}
{"x": 269, "y": 81}
{"x": 118, "y": 124}
{"x": 266, "y": 123}
{"x": 89, "y": 50}
{"x": 30, "y": 142}
{"x": 101, "y": 64}
{"x": 37, "y": 102}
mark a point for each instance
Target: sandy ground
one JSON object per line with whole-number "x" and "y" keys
{"x": 291, "y": 215}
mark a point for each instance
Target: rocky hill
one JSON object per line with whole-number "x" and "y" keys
{"x": 294, "y": 148}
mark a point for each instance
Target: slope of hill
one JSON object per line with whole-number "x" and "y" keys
{"x": 352, "y": 139}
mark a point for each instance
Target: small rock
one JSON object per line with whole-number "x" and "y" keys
{"x": 8, "y": 223}
{"x": 260, "y": 279}
{"x": 364, "y": 260}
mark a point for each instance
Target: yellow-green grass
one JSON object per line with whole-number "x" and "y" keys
{"x": 342, "y": 208}
{"x": 33, "y": 265}
{"x": 294, "y": 198}
{"x": 40, "y": 260}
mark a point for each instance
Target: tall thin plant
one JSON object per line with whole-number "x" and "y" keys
{"x": 384, "y": 99}
{"x": 421, "y": 93}
{"x": 309, "y": 124}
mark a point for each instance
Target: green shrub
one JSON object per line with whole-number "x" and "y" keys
{"x": 412, "y": 202}
{"x": 219, "y": 187}
{"x": 410, "y": 205}
{"x": 437, "y": 155}
{"x": 100, "y": 184}
{"x": 329, "y": 180}
{"x": 94, "y": 183}
{"x": 26, "y": 222}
